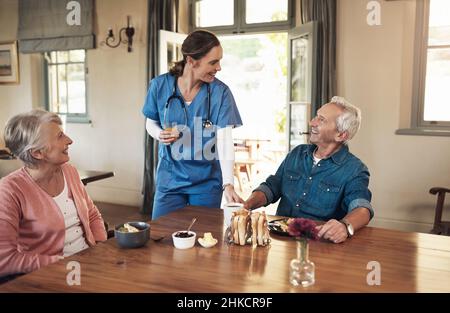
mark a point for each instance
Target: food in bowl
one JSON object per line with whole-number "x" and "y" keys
{"x": 136, "y": 238}
{"x": 183, "y": 234}
{"x": 127, "y": 228}
{"x": 183, "y": 239}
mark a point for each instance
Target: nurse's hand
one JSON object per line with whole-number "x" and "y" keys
{"x": 168, "y": 136}
{"x": 231, "y": 195}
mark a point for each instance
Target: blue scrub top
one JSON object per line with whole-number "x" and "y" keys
{"x": 190, "y": 165}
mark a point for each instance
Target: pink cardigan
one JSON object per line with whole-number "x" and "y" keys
{"x": 32, "y": 228}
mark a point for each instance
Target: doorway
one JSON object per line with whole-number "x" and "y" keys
{"x": 255, "y": 67}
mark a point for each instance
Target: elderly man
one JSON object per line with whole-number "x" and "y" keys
{"x": 323, "y": 180}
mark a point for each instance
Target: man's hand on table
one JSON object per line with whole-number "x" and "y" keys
{"x": 333, "y": 230}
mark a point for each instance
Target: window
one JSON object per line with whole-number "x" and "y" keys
{"x": 431, "y": 107}
{"x": 436, "y": 107}
{"x": 66, "y": 84}
{"x": 239, "y": 16}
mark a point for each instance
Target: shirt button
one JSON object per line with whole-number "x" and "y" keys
{"x": 328, "y": 189}
{"x": 297, "y": 205}
{"x": 310, "y": 178}
{"x": 304, "y": 193}
{"x": 318, "y": 164}
{"x": 290, "y": 177}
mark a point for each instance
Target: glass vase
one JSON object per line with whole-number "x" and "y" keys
{"x": 301, "y": 271}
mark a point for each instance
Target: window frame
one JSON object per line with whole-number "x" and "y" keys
{"x": 240, "y": 26}
{"x": 418, "y": 125}
{"x": 82, "y": 118}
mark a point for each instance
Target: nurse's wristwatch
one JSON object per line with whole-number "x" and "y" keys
{"x": 348, "y": 227}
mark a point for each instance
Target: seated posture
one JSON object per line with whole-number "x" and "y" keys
{"x": 323, "y": 180}
{"x": 45, "y": 212}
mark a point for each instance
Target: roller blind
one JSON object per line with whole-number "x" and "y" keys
{"x": 52, "y": 25}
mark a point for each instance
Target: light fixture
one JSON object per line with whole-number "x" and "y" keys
{"x": 129, "y": 32}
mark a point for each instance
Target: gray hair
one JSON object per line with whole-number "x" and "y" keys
{"x": 22, "y": 134}
{"x": 350, "y": 120}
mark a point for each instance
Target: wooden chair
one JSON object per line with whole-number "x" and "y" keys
{"x": 243, "y": 166}
{"x": 440, "y": 227}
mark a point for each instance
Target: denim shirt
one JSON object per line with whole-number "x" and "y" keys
{"x": 328, "y": 190}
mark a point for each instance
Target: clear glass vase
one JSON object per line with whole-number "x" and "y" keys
{"x": 301, "y": 270}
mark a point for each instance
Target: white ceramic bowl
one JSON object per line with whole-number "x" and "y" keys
{"x": 184, "y": 243}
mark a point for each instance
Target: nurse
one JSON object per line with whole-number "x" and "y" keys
{"x": 191, "y": 113}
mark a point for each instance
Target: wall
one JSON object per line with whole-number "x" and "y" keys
{"x": 375, "y": 72}
{"x": 19, "y": 97}
{"x": 116, "y": 91}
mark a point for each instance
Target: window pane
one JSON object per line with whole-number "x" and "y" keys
{"x": 214, "y": 13}
{"x": 173, "y": 53}
{"x": 53, "y": 88}
{"x": 62, "y": 89}
{"x": 263, "y": 11}
{"x": 76, "y": 88}
{"x": 436, "y": 106}
{"x": 67, "y": 82}
{"x": 439, "y": 23}
{"x": 299, "y": 65}
{"x": 76, "y": 55}
{"x": 63, "y": 56}
{"x": 255, "y": 68}
{"x": 53, "y": 57}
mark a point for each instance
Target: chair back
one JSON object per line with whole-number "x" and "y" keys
{"x": 440, "y": 227}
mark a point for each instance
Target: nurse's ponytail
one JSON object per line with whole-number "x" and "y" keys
{"x": 196, "y": 45}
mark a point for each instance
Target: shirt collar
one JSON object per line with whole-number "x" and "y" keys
{"x": 337, "y": 157}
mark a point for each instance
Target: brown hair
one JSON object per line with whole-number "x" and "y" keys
{"x": 196, "y": 45}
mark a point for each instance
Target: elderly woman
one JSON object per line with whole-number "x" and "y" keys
{"x": 45, "y": 212}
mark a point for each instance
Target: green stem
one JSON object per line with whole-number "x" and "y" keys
{"x": 302, "y": 249}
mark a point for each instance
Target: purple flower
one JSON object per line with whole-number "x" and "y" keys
{"x": 302, "y": 228}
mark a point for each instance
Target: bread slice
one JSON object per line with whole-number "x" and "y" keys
{"x": 266, "y": 235}
{"x": 243, "y": 223}
{"x": 254, "y": 218}
{"x": 235, "y": 229}
{"x": 262, "y": 223}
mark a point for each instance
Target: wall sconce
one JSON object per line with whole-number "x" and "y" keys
{"x": 129, "y": 32}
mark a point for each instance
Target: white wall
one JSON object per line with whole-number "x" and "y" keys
{"x": 375, "y": 73}
{"x": 116, "y": 91}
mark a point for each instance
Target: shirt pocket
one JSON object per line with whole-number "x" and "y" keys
{"x": 291, "y": 183}
{"x": 328, "y": 196}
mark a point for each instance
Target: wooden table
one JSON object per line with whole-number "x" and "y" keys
{"x": 410, "y": 262}
{"x": 91, "y": 176}
{"x": 8, "y": 166}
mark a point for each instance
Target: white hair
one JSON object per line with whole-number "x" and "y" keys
{"x": 23, "y": 133}
{"x": 350, "y": 120}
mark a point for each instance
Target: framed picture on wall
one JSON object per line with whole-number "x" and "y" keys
{"x": 9, "y": 63}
